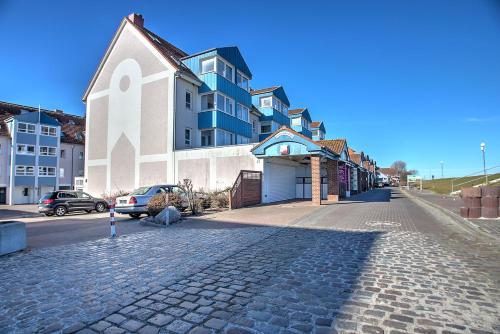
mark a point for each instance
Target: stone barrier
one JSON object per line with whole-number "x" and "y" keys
{"x": 480, "y": 202}
{"x": 12, "y": 237}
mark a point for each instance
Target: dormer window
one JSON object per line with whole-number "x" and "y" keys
{"x": 266, "y": 102}
{"x": 296, "y": 121}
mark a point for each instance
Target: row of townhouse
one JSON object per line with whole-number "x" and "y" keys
{"x": 156, "y": 114}
{"x": 40, "y": 151}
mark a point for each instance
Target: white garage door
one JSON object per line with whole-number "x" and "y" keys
{"x": 280, "y": 182}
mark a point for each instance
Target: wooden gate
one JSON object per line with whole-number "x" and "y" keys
{"x": 247, "y": 189}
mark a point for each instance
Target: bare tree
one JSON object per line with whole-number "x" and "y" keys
{"x": 399, "y": 166}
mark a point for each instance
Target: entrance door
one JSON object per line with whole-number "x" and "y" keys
{"x": 3, "y": 195}
{"x": 303, "y": 188}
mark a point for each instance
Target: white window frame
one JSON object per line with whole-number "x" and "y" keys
{"x": 247, "y": 88}
{"x": 24, "y": 151}
{"x": 48, "y": 149}
{"x": 188, "y": 141}
{"x": 240, "y": 116}
{"x": 22, "y": 170}
{"x": 270, "y": 98}
{"x": 208, "y": 59}
{"x": 28, "y": 126}
{"x": 49, "y": 130}
{"x": 45, "y": 171}
{"x": 189, "y": 105}
{"x": 81, "y": 155}
{"x": 215, "y": 101}
{"x": 216, "y": 104}
{"x": 226, "y": 135}
{"x": 226, "y": 65}
{"x": 61, "y": 172}
{"x": 296, "y": 121}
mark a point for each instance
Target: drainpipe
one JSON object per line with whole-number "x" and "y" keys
{"x": 72, "y": 177}
{"x": 175, "y": 126}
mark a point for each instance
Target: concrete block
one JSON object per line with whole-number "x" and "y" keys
{"x": 12, "y": 237}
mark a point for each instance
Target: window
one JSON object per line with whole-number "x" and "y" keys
{"x": 224, "y": 138}
{"x": 24, "y": 171}
{"x": 265, "y": 101}
{"x": 208, "y": 65}
{"x": 80, "y": 155}
{"x": 265, "y": 128}
{"x": 62, "y": 154}
{"x": 242, "y": 112}
{"x": 254, "y": 126}
{"x": 46, "y": 171}
{"x": 48, "y": 131}
{"x": 207, "y": 102}
{"x": 187, "y": 137}
{"x": 206, "y": 137}
{"x": 67, "y": 195}
{"x": 46, "y": 150}
{"x": 188, "y": 100}
{"x": 224, "y": 69}
{"x": 26, "y": 128}
{"x": 25, "y": 149}
{"x": 241, "y": 81}
{"x": 297, "y": 121}
{"x": 61, "y": 172}
{"x": 26, "y": 192}
{"x": 242, "y": 140}
{"x": 84, "y": 195}
{"x": 315, "y": 133}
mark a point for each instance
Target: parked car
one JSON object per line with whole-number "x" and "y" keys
{"x": 136, "y": 203}
{"x": 64, "y": 201}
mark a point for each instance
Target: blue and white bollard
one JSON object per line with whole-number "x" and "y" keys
{"x": 112, "y": 219}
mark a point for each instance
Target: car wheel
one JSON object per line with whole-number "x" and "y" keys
{"x": 100, "y": 207}
{"x": 134, "y": 215}
{"x": 60, "y": 211}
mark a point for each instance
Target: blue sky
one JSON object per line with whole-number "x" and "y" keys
{"x": 412, "y": 80}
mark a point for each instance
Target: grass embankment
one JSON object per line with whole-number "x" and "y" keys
{"x": 443, "y": 186}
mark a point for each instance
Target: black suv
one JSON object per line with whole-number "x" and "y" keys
{"x": 63, "y": 201}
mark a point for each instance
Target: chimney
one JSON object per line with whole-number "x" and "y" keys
{"x": 136, "y": 19}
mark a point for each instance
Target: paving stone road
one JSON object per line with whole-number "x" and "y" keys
{"x": 376, "y": 264}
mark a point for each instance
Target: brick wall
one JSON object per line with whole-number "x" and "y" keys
{"x": 333, "y": 179}
{"x": 316, "y": 179}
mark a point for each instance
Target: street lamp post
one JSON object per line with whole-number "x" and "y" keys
{"x": 483, "y": 149}
{"x": 442, "y": 169}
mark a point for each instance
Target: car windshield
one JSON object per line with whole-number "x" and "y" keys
{"x": 140, "y": 191}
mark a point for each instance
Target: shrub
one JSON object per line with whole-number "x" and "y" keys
{"x": 111, "y": 196}
{"x": 159, "y": 202}
{"x": 219, "y": 200}
{"x": 195, "y": 202}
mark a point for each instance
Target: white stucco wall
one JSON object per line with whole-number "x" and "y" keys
{"x": 5, "y": 145}
{"x": 214, "y": 168}
{"x": 186, "y": 118}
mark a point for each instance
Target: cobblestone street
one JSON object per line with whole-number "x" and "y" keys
{"x": 378, "y": 263}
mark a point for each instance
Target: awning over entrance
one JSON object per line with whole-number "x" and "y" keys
{"x": 286, "y": 142}
{"x": 290, "y": 156}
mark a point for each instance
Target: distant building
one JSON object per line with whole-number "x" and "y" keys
{"x": 41, "y": 150}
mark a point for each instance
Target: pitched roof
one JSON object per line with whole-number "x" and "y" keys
{"x": 169, "y": 52}
{"x": 335, "y": 145}
{"x": 263, "y": 90}
{"x": 351, "y": 151}
{"x": 72, "y": 126}
{"x": 255, "y": 111}
{"x": 316, "y": 124}
{"x": 296, "y": 111}
{"x": 172, "y": 53}
{"x": 356, "y": 158}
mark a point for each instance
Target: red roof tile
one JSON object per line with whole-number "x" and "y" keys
{"x": 263, "y": 90}
{"x": 296, "y": 111}
{"x": 335, "y": 145}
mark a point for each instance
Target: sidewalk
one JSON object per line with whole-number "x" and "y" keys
{"x": 453, "y": 204}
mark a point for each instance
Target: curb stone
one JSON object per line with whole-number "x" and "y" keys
{"x": 456, "y": 220}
